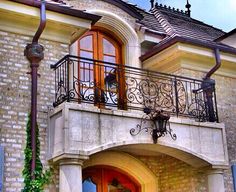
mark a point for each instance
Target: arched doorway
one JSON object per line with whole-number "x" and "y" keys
{"x": 125, "y": 163}
{"x": 108, "y": 179}
{"x": 100, "y": 70}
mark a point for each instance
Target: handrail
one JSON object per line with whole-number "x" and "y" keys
{"x": 118, "y": 64}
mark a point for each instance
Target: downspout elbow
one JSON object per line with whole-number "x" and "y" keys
{"x": 42, "y": 22}
{"x": 217, "y": 65}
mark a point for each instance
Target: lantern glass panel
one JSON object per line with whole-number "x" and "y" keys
{"x": 161, "y": 125}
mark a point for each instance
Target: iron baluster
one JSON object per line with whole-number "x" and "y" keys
{"x": 176, "y": 97}
{"x": 67, "y": 79}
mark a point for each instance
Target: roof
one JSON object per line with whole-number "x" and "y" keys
{"x": 60, "y": 7}
{"x": 166, "y": 20}
{"x": 178, "y": 26}
{"x": 149, "y": 21}
{"x": 181, "y": 24}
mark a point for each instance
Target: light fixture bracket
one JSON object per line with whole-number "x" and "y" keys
{"x": 155, "y": 122}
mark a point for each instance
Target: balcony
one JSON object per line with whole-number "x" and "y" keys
{"x": 98, "y": 105}
{"x": 111, "y": 86}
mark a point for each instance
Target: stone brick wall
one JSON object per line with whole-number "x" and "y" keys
{"x": 15, "y": 101}
{"x": 226, "y": 102}
{"x": 175, "y": 175}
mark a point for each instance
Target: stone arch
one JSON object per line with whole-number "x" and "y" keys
{"x": 144, "y": 176}
{"x": 125, "y": 32}
{"x": 190, "y": 157}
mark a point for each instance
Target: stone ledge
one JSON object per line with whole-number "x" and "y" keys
{"x": 130, "y": 113}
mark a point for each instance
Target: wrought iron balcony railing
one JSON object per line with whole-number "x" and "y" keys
{"x": 109, "y": 85}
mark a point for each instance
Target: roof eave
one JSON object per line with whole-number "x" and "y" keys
{"x": 61, "y": 9}
{"x": 178, "y": 39}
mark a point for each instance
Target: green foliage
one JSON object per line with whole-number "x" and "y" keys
{"x": 41, "y": 177}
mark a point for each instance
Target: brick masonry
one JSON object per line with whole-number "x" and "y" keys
{"x": 15, "y": 101}
{"x": 175, "y": 175}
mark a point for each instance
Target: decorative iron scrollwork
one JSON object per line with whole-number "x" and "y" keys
{"x": 155, "y": 122}
{"x": 101, "y": 83}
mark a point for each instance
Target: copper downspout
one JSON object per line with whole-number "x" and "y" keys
{"x": 217, "y": 65}
{"x": 34, "y": 53}
{"x": 209, "y": 87}
{"x": 42, "y": 22}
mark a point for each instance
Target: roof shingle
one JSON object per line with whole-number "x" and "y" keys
{"x": 186, "y": 26}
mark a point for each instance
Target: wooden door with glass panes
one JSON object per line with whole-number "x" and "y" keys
{"x": 100, "y": 81}
{"x": 107, "y": 180}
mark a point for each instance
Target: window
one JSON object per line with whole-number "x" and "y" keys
{"x": 107, "y": 180}
{"x": 99, "y": 79}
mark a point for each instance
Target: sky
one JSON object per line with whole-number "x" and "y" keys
{"x": 219, "y": 13}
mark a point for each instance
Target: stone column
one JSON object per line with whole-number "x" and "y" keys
{"x": 215, "y": 181}
{"x": 70, "y": 175}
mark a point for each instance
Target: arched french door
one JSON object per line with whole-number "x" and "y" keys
{"x": 100, "y": 80}
{"x": 107, "y": 179}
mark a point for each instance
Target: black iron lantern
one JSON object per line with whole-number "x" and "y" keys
{"x": 160, "y": 121}
{"x": 160, "y": 125}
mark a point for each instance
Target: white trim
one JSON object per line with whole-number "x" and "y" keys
{"x": 125, "y": 32}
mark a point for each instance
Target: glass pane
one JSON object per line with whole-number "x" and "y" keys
{"x": 86, "y": 67}
{"x": 108, "y": 48}
{"x": 110, "y": 59}
{"x": 87, "y": 43}
{"x": 115, "y": 186}
{"x": 86, "y": 71}
{"x": 86, "y": 54}
{"x": 89, "y": 186}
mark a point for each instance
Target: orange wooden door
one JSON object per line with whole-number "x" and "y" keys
{"x": 99, "y": 78}
{"x": 107, "y": 180}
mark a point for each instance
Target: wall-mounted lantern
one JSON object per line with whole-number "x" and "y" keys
{"x": 155, "y": 122}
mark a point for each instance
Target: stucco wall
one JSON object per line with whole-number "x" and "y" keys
{"x": 15, "y": 101}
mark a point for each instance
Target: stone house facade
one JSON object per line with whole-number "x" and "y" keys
{"x": 95, "y": 128}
